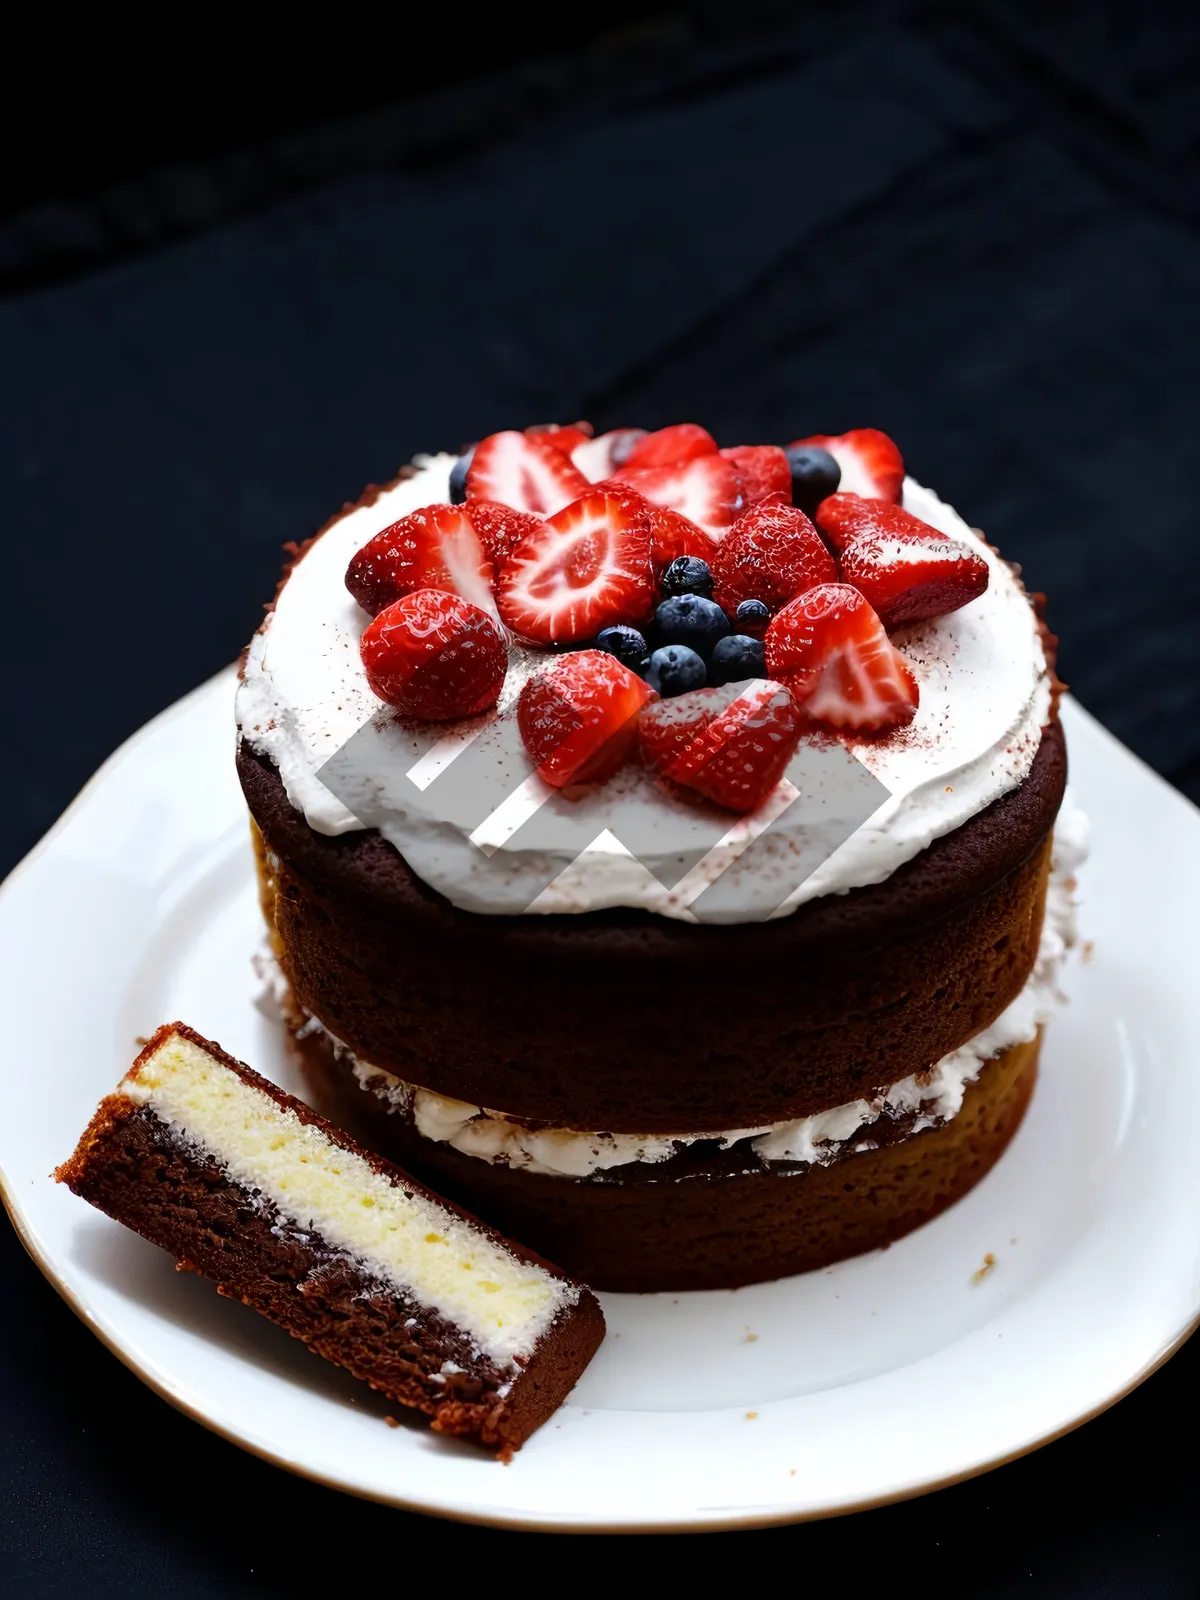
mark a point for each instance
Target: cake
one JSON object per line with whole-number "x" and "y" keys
{"x": 660, "y": 845}
{"x": 251, "y": 1189}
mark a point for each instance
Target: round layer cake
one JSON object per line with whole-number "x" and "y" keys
{"x": 668, "y": 1032}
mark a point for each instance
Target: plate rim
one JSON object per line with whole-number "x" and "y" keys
{"x": 513, "y": 1519}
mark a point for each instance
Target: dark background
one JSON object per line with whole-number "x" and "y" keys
{"x": 239, "y": 281}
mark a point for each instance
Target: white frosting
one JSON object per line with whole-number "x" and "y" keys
{"x": 934, "y": 1096}
{"x": 984, "y": 691}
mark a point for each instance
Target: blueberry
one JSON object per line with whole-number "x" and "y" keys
{"x": 458, "y": 477}
{"x": 737, "y": 656}
{"x": 690, "y": 619}
{"x": 688, "y": 575}
{"x": 753, "y": 614}
{"x": 627, "y": 644}
{"x": 674, "y": 670}
{"x": 815, "y": 474}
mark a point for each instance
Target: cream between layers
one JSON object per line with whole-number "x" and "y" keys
{"x": 503, "y": 1303}
{"x": 985, "y": 694}
{"x": 935, "y": 1096}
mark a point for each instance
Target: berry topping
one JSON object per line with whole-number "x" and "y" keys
{"x": 626, "y": 643}
{"x": 843, "y": 517}
{"x": 764, "y": 471}
{"x": 752, "y": 617}
{"x": 586, "y": 567}
{"x": 772, "y": 553}
{"x": 671, "y": 535}
{"x": 814, "y": 474}
{"x": 458, "y": 477}
{"x": 675, "y": 669}
{"x": 707, "y": 490}
{"x": 732, "y": 747}
{"x": 434, "y": 655}
{"x": 523, "y": 472}
{"x": 869, "y": 461}
{"x": 687, "y": 575}
{"x": 500, "y": 528}
{"x": 910, "y": 576}
{"x": 434, "y": 548}
{"x": 597, "y": 458}
{"x": 831, "y": 649}
{"x": 562, "y": 438}
{"x": 736, "y": 657}
{"x": 691, "y": 619}
{"x": 578, "y": 716}
{"x": 671, "y": 446}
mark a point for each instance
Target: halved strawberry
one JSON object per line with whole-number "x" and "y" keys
{"x": 764, "y": 471}
{"x": 830, "y": 647}
{"x": 909, "y": 576}
{"x": 563, "y": 436}
{"x": 597, "y": 458}
{"x": 871, "y": 464}
{"x": 672, "y": 535}
{"x": 500, "y": 528}
{"x": 578, "y": 716}
{"x": 706, "y": 490}
{"x": 525, "y": 473}
{"x": 586, "y": 566}
{"x": 434, "y": 548}
{"x": 842, "y": 517}
{"x": 772, "y": 552}
{"x": 731, "y": 744}
{"x": 669, "y": 447}
{"x": 434, "y": 655}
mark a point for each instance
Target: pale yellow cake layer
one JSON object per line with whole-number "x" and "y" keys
{"x": 503, "y": 1303}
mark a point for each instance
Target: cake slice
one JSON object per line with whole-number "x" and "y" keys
{"x": 250, "y": 1188}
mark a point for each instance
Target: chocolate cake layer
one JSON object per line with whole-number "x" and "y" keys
{"x": 730, "y": 1220}
{"x": 627, "y": 1021}
{"x": 149, "y": 1175}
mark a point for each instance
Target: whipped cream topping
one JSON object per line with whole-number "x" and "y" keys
{"x": 984, "y": 690}
{"x": 930, "y": 1098}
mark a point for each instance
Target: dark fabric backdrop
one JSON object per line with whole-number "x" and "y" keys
{"x": 977, "y": 227}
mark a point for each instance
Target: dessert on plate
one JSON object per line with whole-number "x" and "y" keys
{"x": 250, "y": 1188}
{"x": 660, "y": 844}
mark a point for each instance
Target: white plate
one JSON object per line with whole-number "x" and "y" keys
{"x": 874, "y": 1380}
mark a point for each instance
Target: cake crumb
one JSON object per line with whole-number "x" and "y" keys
{"x": 1087, "y": 951}
{"x": 980, "y": 1273}
{"x": 751, "y": 1338}
{"x": 751, "y": 1416}
{"x": 140, "y": 1040}
{"x": 392, "y": 1422}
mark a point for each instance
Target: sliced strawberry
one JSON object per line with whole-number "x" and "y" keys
{"x": 564, "y": 437}
{"x": 772, "y": 553}
{"x": 672, "y": 535}
{"x": 597, "y": 458}
{"x": 764, "y": 471}
{"x": 500, "y": 528}
{"x": 842, "y": 517}
{"x": 830, "y": 647}
{"x": 908, "y": 576}
{"x": 707, "y": 490}
{"x": 586, "y": 566}
{"x": 870, "y": 462}
{"x": 434, "y": 655}
{"x": 434, "y": 548}
{"x": 670, "y": 447}
{"x": 578, "y": 716}
{"x": 731, "y": 744}
{"x": 525, "y": 473}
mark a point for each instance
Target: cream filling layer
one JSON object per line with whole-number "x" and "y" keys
{"x": 504, "y": 1304}
{"x": 931, "y": 1097}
